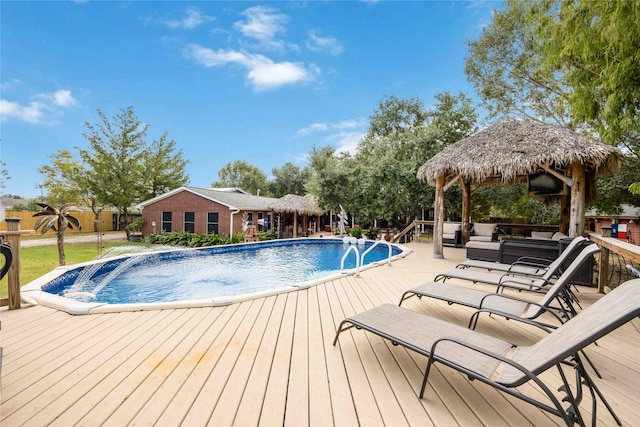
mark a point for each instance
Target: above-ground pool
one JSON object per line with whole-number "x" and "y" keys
{"x": 206, "y": 276}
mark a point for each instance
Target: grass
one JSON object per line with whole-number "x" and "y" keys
{"x": 38, "y": 260}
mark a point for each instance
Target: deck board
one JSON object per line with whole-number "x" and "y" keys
{"x": 271, "y": 361}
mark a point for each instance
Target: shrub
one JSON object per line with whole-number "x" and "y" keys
{"x": 372, "y": 233}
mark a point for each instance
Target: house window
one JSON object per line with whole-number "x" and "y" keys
{"x": 249, "y": 218}
{"x": 166, "y": 221}
{"x": 190, "y": 222}
{"x": 212, "y": 222}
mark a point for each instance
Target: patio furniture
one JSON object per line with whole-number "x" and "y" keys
{"x": 527, "y": 265}
{"x": 507, "y": 306}
{"x": 504, "y": 365}
{"x": 483, "y": 232}
{"x": 507, "y": 280}
{"x": 452, "y": 234}
{"x": 484, "y": 251}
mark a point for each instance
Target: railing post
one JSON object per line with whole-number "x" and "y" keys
{"x": 603, "y": 269}
{"x": 13, "y": 276}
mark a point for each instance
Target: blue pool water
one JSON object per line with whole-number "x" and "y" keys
{"x": 217, "y": 272}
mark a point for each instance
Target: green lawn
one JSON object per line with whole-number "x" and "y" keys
{"x": 38, "y": 260}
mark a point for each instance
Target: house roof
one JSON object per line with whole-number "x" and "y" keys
{"x": 233, "y": 198}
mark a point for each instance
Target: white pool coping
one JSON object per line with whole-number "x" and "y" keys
{"x": 32, "y": 292}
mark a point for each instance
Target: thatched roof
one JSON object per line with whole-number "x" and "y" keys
{"x": 293, "y": 203}
{"x": 511, "y": 149}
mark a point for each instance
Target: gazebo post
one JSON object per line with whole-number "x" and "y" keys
{"x": 564, "y": 215}
{"x": 438, "y": 224}
{"x": 466, "y": 211}
{"x": 576, "y": 223}
{"x": 295, "y": 223}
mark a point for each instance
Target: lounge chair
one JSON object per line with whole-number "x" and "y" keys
{"x": 506, "y": 280}
{"x": 508, "y": 306}
{"x": 501, "y": 364}
{"x": 529, "y": 266}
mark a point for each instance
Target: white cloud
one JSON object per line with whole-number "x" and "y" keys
{"x": 63, "y": 98}
{"x": 37, "y": 112}
{"x": 326, "y": 44}
{"x": 8, "y": 85}
{"x": 315, "y": 127}
{"x": 194, "y": 18}
{"x": 263, "y": 73}
{"x": 32, "y": 113}
{"x": 262, "y": 23}
{"x": 346, "y": 142}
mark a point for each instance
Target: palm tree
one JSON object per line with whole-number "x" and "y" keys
{"x": 57, "y": 220}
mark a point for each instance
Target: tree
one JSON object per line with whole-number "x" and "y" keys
{"x": 243, "y": 175}
{"x": 163, "y": 168}
{"x": 63, "y": 179}
{"x": 330, "y": 178}
{"x": 57, "y": 220}
{"x": 389, "y": 156}
{"x": 114, "y": 159}
{"x": 121, "y": 168}
{"x": 4, "y": 175}
{"x": 593, "y": 45}
{"x": 289, "y": 179}
{"x": 505, "y": 66}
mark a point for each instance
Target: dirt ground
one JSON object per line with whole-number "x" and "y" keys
{"x": 84, "y": 238}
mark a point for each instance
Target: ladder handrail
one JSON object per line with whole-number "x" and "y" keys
{"x": 349, "y": 249}
{"x": 378, "y": 242}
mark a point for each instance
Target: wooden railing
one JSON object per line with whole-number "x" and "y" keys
{"x": 608, "y": 245}
{"x": 413, "y": 226}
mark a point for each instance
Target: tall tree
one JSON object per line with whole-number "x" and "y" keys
{"x": 243, "y": 175}
{"x": 330, "y": 178}
{"x": 63, "y": 178}
{"x": 114, "y": 158}
{"x": 390, "y": 155}
{"x": 593, "y": 44}
{"x": 289, "y": 179}
{"x": 505, "y": 66}
{"x": 164, "y": 168}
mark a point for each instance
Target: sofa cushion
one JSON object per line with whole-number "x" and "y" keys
{"x": 485, "y": 230}
{"x": 541, "y": 234}
{"x": 450, "y": 228}
{"x": 480, "y": 238}
{"x": 557, "y": 236}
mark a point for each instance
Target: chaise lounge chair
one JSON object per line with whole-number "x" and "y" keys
{"x": 507, "y": 280}
{"x": 529, "y": 266}
{"x": 508, "y": 306}
{"x": 501, "y": 364}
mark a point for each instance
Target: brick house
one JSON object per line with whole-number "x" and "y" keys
{"x": 204, "y": 210}
{"x": 628, "y": 223}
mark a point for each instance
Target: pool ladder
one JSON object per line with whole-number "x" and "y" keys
{"x": 360, "y": 259}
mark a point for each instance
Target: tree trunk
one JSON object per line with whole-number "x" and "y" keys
{"x": 438, "y": 224}
{"x": 576, "y": 224}
{"x": 61, "y": 256}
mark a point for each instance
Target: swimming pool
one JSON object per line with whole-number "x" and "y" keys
{"x": 205, "y": 276}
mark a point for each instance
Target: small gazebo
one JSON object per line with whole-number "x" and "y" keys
{"x": 297, "y": 205}
{"x": 509, "y": 152}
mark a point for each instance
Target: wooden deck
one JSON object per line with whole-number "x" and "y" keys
{"x": 271, "y": 361}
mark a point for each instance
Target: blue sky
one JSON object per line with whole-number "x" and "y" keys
{"x": 261, "y": 82}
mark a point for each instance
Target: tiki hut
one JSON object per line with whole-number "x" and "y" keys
{"x": 296, "y": 205}
{"x": 512, "y": 150}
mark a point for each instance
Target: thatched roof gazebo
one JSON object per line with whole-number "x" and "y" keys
{"x": 509, "y": 152}
{"x": 295, "y": 204}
